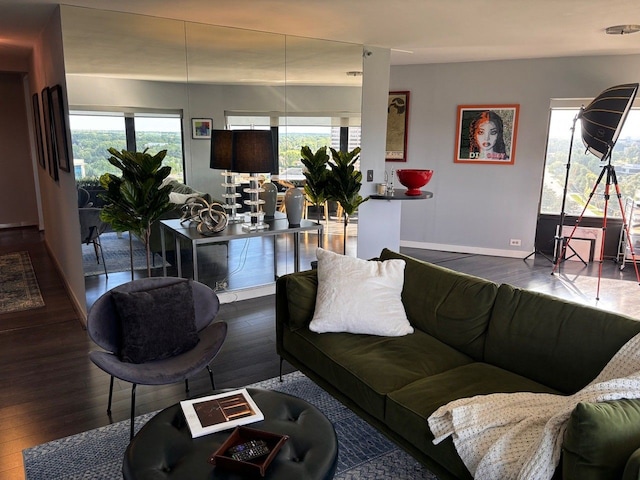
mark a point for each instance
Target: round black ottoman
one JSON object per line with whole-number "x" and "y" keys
{"x": 163, "y": 448}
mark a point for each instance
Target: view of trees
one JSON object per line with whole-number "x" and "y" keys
{"x": 91, "y": 146}
{"x": 583, "y": 174}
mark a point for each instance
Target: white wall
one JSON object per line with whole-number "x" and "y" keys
{"x": 478, "y": 208}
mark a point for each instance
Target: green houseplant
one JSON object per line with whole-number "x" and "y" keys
{"x": 135, "y": 200}
{"x": 344, "y": 183}
{"x": 316, "y": 173}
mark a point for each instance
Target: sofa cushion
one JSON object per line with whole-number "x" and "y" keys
{"x": 301, "y": 297}
{"x": 453, "y": 307}
{"x": 552, "y": 341}
{"x": 157, "y": 323}
{"x": 367, "y": 367}
{"x": 359, "y": 296}
{"x": 599, "y": 439}
{"x": 408, "y": 408}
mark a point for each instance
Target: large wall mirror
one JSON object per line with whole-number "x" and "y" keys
{"x": 128, "y": 68}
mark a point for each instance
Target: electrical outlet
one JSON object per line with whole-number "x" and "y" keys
{"x": 515, "y": 242}
{"x": 369, "y": 175}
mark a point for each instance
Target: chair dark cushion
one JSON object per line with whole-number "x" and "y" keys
{"x": 157, "y": 323}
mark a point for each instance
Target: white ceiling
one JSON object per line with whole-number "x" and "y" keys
{"x": 435, "y": 31}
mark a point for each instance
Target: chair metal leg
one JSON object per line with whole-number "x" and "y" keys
{"x": 281, "y": 360}
{"x": 97, "y": 245}
{"x": 110, "y": 396}
{"x": 133, "y": 408}
{"x": 213, "y": 385}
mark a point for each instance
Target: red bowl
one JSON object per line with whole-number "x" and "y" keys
{"x": 414, "y": 179}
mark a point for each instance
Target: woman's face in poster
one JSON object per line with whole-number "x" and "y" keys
{"x": 486, "y": 136}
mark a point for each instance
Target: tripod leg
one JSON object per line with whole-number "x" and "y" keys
{"x": 586, "y": 205}
{"x": 625, "y": 225}
{"x": 604, "y": 227}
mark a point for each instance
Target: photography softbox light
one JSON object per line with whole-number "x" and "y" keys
{"x": 604, "y": 117}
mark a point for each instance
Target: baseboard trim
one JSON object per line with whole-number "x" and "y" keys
{"x": 230, "y": 296}
{"x": 492, "y": 252}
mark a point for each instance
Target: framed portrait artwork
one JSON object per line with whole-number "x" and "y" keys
{"x": 59, "y": 128}
{"x": 397, "y": 126}
{"x": 486, "y": 134}
{"x": 201, "y": 127}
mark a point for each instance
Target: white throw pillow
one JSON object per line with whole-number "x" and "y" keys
{"x": 359, "y": 296}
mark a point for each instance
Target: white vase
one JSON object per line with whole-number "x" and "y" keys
{"x": 294, "y": 203}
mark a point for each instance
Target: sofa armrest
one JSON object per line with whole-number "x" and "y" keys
{"x": 599, "y": 440}
{"x": 632, "y": 468}
{"x": 295, "y": 301}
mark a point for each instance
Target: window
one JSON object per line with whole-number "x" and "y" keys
{"x": 585, "y": 168}
{"x": 315, "y": 131}
{"x": 93, "y": 133}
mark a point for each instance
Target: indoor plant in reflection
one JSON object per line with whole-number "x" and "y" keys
{"x": 316, "y": 173}
{"x": 344, "y": 183}
{"x": 136, "y": 199}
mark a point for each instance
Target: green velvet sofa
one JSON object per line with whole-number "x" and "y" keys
{"x": 472, "y": 337}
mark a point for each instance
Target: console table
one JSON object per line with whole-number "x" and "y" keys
{"x": 277, "y": 226}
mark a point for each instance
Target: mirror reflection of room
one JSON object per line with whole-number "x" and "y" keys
{"x": 146, "y": 95}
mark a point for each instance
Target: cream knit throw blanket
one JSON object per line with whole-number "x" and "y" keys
{"x": 519, "y": 435}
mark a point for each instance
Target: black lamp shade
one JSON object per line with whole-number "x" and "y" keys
{"x": 253, "y": 151}
{"x": 604, "y": 117}
{"x": 221, "y": 149}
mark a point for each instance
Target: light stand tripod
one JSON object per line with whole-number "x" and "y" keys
{"x": 602, "y": 121}
{"x": 561, "y": 245}
{"x": 611, "y": 179}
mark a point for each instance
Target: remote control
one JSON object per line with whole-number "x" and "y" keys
{"x": 249, "y": 450}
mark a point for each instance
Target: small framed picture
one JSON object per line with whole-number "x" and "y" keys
{"x": 397, "y": 126}
{"x": 38, "y": 131}
{"x": 201, "y": 127}
{"x": 59, "y": 128}
{"x": 486, "y": 134}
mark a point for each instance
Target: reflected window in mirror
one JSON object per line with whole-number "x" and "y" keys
{"x": 93, "y": 133}
{"x": 294, "y": 132}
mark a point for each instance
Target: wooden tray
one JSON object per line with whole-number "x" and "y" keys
{"x": 252, "y": 467}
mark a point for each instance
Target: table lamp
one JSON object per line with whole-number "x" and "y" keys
{"x": 254, "y": 153}
{"x": 221, "y": 159}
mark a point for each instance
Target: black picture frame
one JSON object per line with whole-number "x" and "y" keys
{"x": 397, "y": 126}
{"x": 59, "y": 128}
{"x": 38, "y": 131}
{"x": 48, "y": 134}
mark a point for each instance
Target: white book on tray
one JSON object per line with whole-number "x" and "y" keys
{"x": 223, "y": 411}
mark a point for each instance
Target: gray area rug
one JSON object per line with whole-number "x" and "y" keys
{"x": 18, "y": 285}
{"x": 364, "y": 453}
{"x": 116, "y": 255}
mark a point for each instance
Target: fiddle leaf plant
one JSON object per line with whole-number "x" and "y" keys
{"x": 344, "y": 183}
{"x": 316, "y": 173}
{"x": 136, "y": 199}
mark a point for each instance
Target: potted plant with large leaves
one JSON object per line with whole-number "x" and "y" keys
{"x": 344, "y": 183}
{"x": 316, "y": 173}
{"x": 136, "y": 199}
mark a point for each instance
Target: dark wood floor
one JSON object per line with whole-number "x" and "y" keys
{"x": 49, "y": 389}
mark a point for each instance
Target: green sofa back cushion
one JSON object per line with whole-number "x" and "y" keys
{"x": 453, "y": 307}
{"x": 555, "y": 342}
{"x": 600, "y": 438}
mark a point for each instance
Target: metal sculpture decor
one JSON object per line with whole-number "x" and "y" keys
{"x": 210, "y": 218}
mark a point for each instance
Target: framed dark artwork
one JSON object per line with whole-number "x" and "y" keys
{"x": 59, "y": 128}
{"x": 486, "y": 134}
{"x": 38, "y": 131}
{"x": 201, "y": 128}
{"x": 397, "y": 126}
{"x": 48, "y": 136}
